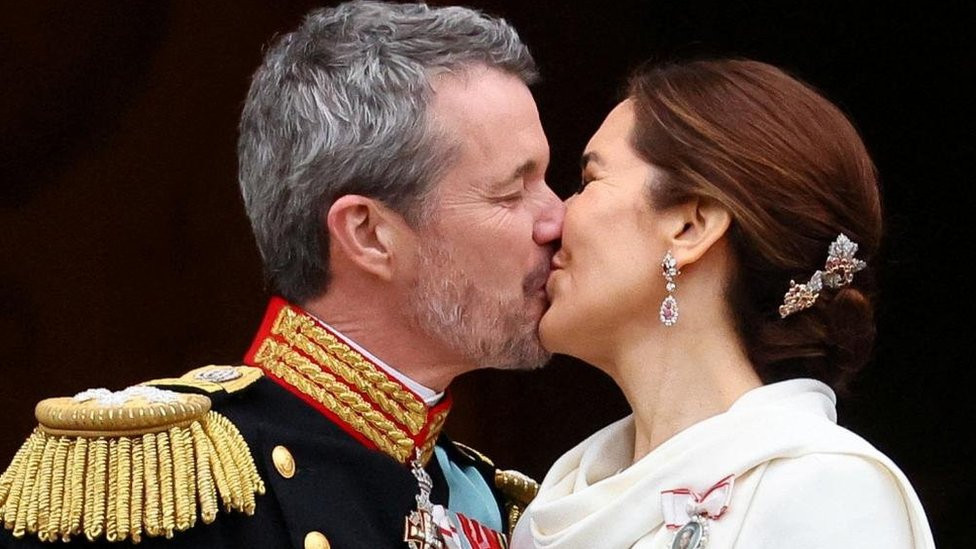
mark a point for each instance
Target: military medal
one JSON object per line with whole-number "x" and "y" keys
{"x": 421, "y": 531}
{"x": 434, "y": 527}
{"x": 689, "y": 512}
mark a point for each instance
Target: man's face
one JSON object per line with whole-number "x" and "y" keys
{"x": 484, "y": 253}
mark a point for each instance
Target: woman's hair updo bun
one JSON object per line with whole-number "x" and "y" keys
{"x": 793, "y": 172}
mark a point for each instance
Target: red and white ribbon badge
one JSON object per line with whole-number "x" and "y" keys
{"x": 679, "y": 505}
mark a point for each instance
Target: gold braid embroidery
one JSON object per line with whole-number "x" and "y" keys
{"x": 351, "y": 398}
{"x": 435, "y": 426}
{"x": 300, "y": 373}
{"x": 350, "y": 365}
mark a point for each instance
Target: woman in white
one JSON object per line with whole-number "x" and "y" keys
{"x": 705, "y": 193}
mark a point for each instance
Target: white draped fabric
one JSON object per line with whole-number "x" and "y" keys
{"x": 800, "y": 481}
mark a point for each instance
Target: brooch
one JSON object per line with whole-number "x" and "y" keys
{"x": 689, "y": 512}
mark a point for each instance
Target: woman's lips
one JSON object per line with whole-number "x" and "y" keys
{"x": 550, "y": 284}
{"x": 557, "y": 261}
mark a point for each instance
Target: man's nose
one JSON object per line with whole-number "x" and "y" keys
{"x": 549, "y": 226}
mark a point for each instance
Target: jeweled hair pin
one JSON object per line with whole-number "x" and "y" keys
{"x": 838, "y": 272}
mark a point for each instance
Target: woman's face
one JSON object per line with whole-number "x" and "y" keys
{"x": 606, "y": 278}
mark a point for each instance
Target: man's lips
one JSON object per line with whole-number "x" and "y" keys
{"x": 537, "y": 279}
{"x": 556, "y": 264}
{"x": 549, "y": 284}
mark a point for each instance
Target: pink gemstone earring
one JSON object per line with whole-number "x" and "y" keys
{"x": 669, "y": 307}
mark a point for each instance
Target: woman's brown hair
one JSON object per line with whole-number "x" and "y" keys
{"x": 794, "y": 173}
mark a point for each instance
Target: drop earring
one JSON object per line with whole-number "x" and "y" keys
{"x": 669, "y": 307}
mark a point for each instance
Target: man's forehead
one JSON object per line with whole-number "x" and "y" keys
{"x": 478, "y": 95}
{"x": 493, "y": 120}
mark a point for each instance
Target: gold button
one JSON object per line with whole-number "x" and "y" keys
{"x": 285, "y": 464}
{"x": 315, "y": 540}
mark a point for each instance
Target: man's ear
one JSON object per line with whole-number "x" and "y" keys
{"x": 365, "y": 232}
{"x": 697, "y": 225}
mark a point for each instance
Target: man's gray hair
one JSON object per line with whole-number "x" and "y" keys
{"x": 340, "y": 106}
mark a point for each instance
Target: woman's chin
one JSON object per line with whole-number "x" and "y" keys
{"x": 551, "y": 332}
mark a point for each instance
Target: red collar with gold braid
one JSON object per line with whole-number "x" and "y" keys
{"x": 316, "y": 365}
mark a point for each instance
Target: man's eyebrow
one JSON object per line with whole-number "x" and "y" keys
{"x": 528, "y": 167}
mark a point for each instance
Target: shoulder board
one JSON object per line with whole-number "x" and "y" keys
{"x": 214, "y": 381}
{"x": 145, "y": 461}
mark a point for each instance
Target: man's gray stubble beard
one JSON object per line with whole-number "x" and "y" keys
{"x": 448, "y": 304}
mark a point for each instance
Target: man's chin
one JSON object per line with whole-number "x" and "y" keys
{"x": 526, "y": 364}
{"x": 524, "y": 351}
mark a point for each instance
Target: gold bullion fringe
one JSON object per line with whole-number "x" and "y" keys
{"x": 121, "y": 488}
{"x": 519, "y": 491}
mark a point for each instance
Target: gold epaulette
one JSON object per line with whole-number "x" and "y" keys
{"x": 519, "y": 490}
{"x": 120, "y": 465}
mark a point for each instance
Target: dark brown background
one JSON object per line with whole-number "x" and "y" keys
{"x": 126, "y": 254}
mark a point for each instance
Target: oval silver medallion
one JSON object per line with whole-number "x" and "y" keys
{"x": 689, "y": 536}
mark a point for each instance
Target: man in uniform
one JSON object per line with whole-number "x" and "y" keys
{"x": 392, "y": 165}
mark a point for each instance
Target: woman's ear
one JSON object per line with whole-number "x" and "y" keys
{"x": 699, "y": 223}
{"x": 365, "y": 232}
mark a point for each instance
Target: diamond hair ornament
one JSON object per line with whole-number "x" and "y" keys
{"x": 838, "y": 272}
